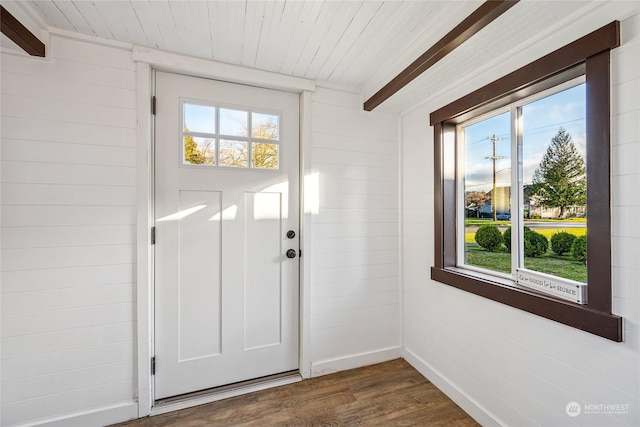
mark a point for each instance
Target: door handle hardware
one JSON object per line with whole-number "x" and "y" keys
{"x": 291, "y": 234}
{"x": 291, "y": 253}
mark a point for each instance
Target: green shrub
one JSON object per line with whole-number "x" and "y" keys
{"x": 561, "y": 242}
{"x": 579, "y": 249}
{"x": 535, "y": 244}
{"x": 506, "y": 238}
{"x": 489, "y": 237}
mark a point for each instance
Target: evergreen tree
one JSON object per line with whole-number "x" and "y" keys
{"x": 560, "y": 180}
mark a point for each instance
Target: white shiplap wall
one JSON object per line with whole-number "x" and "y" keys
{"x": 504, "y": 366}
{"x": 68, "y": 234}
{"x": 69, "y": 228}
{"x": 354, "y": 276}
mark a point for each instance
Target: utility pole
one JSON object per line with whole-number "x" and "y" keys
{"x": 493, "y": 138}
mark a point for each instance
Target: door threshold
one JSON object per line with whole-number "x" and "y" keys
{"x": 183, "y": 401}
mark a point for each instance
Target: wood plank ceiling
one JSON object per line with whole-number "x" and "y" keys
{"x": 359, "y": 45}
{"x": 341, "y": 42}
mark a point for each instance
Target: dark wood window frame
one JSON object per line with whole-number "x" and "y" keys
{"x": 588, "y": 56}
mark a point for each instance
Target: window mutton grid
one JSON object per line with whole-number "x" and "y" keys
{"x": 221, "y": 136}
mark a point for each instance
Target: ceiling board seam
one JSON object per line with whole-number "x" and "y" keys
{"x": 173, "y": 20}
{"x": 64, "y": 16}
{"x": 140, "y": 25}
{"x": 210, "y": 28}
{"x": 255, "y": 57}
{"x": 309, "y": 37}
{"x": 471, "y": 25}
{"x": 244, "y": 26}
{"x": 364, "y": 29}
{"x": 337, "y": 43}
{"x": 398, "y": 14}
{"x": 34, "y": 14}
{"x": 536, "y": 40}
{"x": 84, "y": 18}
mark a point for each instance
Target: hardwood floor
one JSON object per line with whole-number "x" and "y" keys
{"x": 389, "y": 394}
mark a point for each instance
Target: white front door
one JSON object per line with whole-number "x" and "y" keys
{"x": 226, "y": 217}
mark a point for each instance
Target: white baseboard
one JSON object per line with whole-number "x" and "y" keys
{"x": 324, "y": 367}
{"x": 463, "y": 400}
{"x": 97, "y": 417}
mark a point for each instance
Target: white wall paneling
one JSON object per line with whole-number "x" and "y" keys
{"x": 68, "y": 236}
{"x": 483, "y": 353}
{"x": 76, "y": 168}
{"x": 354, "y": 269}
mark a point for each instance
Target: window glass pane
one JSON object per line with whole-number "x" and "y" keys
{"x": 199, "y": 118}
{"x": 265, "y": 126}
{"x": 554, "y": 183}
{"x": 487, "y": 183}
{"x": 234, "y": 122}
{"x": 199, "y": 151}
{"x": 233, "y": 153}
{"x": 264, "y": 155}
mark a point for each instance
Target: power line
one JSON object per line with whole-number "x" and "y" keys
{"x": 493, "y": 138}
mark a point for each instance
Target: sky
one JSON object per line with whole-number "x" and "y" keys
{"x": 541, "y": 120}
{"x": 202, "y": 118}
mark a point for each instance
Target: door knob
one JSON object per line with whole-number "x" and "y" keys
{"x": 291, "y": 253}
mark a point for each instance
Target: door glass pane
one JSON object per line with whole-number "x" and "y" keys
{"x": 199, "y": 118}
{"x": 264, "y": 155}
{"x": 233, "y": 153}
{"x": 265, "y": 126}
{"x": 234, "y": 122}
{"x": 487, "y": 188}
{"x": 199, "y": 151}
{"x": 555, "y": 184}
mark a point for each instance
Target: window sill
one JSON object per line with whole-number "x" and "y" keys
{"x": 606, "y": 325}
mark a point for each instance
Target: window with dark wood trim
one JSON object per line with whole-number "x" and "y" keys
{"x": 588, "y": 56}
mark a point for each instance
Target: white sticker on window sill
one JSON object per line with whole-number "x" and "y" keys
{"x": 569, "y": 290}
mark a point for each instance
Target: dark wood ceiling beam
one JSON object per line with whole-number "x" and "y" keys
{"x": 19, "y": 34}
{"x": 479, "y": 19}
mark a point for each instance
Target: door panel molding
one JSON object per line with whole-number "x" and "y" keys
{"x": 145, "y": 70}
{"x": 253, "y": 209}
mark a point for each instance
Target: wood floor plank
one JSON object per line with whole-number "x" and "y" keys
{"x": 387, "y": 394}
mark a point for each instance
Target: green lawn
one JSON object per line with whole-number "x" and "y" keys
{"x": 469, "y": 237}
{"x": 484, "y": 221}
{"x": 561, "y": 266}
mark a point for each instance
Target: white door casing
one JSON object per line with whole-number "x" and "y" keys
{"x": 226, "y": 295}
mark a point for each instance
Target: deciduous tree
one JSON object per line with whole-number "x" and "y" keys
{"x": 476, "y": 200}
